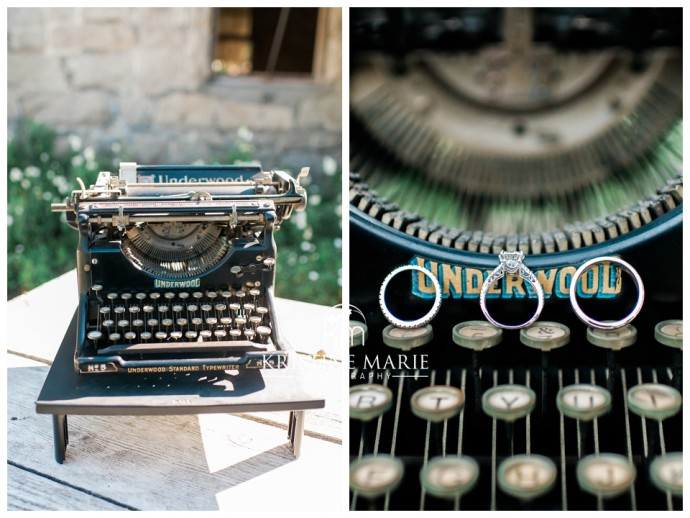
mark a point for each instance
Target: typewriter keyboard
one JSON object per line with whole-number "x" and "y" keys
{"x": 125, "y": 321}
{"x": 479, "y": 438}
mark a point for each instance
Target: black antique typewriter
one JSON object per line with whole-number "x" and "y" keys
{"x": 543, "y": 141}
{"x": 176, "y": 268}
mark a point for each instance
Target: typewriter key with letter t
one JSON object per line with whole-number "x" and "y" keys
{"x": 437, "y": 402}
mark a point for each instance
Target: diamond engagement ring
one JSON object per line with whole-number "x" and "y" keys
{"x": 608, "y": 324}
{"x": 511, "y": 263}
{"x": 420, "y": 322}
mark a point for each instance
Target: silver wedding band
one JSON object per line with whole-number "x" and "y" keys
{"x": 608, "y": 324}
{"x": 511, "y": 263}
{"x": 410, "y": 324}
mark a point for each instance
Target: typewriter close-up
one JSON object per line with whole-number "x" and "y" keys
{"x": 176, "y": 268}
{"x": 516, "y": 259}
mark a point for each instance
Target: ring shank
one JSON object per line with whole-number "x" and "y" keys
{"x": 420, "y": 322}
{"x": 608, "y": 325}
{"x": 491, "y": 279}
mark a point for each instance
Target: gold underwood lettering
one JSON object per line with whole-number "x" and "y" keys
{"x": 473, "y": 281}
{"x": 452, "y": 279}
{"x": 609, "y": 272}
{"x": 424, "y": 284}
{"x": 564, "y": 277}
{"x": 546, "y": 278}
{"x": 589, "y": 282}
{"x": 514, "y": 286}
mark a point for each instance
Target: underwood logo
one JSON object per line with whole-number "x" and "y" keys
{"x": 191, "y": 283}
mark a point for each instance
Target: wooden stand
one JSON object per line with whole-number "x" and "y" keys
{"x": 66, "y": 392}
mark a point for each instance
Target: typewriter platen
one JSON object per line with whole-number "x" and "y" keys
{"x": 176, "y": 267}
{"x": 555, "y": 132}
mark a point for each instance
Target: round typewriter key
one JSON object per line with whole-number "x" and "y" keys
{"x": 134, "y": 309}
{"x": 509, "y": 402}
{"x": 226, "y": 321}
{"x": 177, "y": 308}
{"x": 614, "y": 339}
{"x": 583, "y": 401}
{"x": 140, "y": 296}
{"x": 197, "y": 321}
{"x": 192, "y": 307}
{"x": 249, "y": 334}
{"x": 212, "y": 321}
{"x": 96, "y": 287}
{"x": 240, "y": 321}
{"x": 167, "y": 322}
{"x": 527, "y": 476}
{"x": 152, "y": 322}
{"x": 114, "y": 337}
{"x": 94, "y": 335}
{"x": 163, "y": 309}
{"x": 129, "y": 335}
{"x": 211, "y": 294}
{"x": 255, "y": 320}
{"x": 261, "y": 310}
{"x": 198, "y": 295}
{"x": 248, "y": 307}
{"x": 161, "y": 335}
{"x": 477, "y": 335}
{"x": 545, "y": 335}
{"x": 126, "y": 296}
{"x": 169, "y": 295}
{"x": 119, "y": 310}
{"x": 407, "y": 338}
{"x": 263, "y": 331}
{"x": 234, "y": 307}
{"x": 123, "y": 323}
{"x": 220, "y": 333}
{"x": 206, "y": 333}
{"x": 654, "y": 401}
{"x": 183, "y": 295}
{"x": 220, "y": 307}
{"x": 666, "y": 473}
{"x": 437, "y": 402}
{"x": 111, "y": 296}
{"x": 182, "y": 322}
{"x": 137, "y": 323}
{"x": 104, "y": 310}
{"x": 108, "y": 323}
{"x": 236, "y": 269}
{"x": 670, "y": 332}
{"x": 226, "y": 294}
{"x": 176, "y": 335}
{"x": 606, "y": 475}
{"x": 190, "y": 334}
{"x": 206, "y": 308}
{"x": 449, "y": 477}
{"x": 155, "y": 296}
{"x": 235, "y": 334}
{"x": 146, "y": 335}
{"x": 240, "y": 294}
{"x": 369, "y": 401}
{"x": 375, "y": 475}
{"x": 148, "y": 309}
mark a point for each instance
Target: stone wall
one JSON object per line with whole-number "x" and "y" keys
{"x": 140, "y": 79}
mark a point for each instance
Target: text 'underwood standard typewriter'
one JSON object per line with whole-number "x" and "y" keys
{"x": 176, "y": 267}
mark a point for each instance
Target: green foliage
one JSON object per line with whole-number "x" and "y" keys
{"x": 41, "y": 246}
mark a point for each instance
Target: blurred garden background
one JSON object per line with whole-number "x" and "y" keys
{"x": 89, "y": 88}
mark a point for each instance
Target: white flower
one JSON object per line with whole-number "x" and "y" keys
{"x": 74, "y": 142}
{"x": 16, "y": 174}
{"x": 245, "y": 134}
{"x": 330, "y": 166}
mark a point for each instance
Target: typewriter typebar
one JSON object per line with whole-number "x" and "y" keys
{"x": 542, "y": 136}
{"x": 176, "y": 268}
